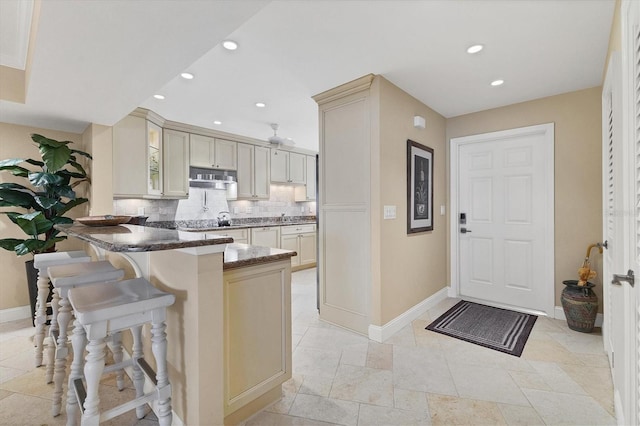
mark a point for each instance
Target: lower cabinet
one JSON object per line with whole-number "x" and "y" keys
{"x": 301, "y": 239}
{"x": 267, "y": 236}
{"x": 257, "y": 337}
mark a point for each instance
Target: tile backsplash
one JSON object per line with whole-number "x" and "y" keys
{"x": 196, "y": 207}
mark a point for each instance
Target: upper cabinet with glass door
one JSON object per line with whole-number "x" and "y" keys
{"x": 154, "y": 158}
{"x": 141, "y": 164}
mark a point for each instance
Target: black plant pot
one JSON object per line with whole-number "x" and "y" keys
{"x": 32, "y": 283}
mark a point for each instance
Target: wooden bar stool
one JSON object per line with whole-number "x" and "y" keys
{"x": 106, "y": 308}
{"x": 42, "y": 262}
{"x": 64, "y": 278}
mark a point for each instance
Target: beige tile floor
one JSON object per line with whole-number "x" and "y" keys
{"x": 415, "y": 378}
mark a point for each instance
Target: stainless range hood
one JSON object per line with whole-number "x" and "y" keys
{"x": 214, "y": 179}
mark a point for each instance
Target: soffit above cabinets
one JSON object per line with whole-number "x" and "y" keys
{"x": 15, "y": 27}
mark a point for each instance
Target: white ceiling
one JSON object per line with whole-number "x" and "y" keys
{"x": 95, "y": 61}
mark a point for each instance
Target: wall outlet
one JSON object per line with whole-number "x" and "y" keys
{"x": 389, "y": 212}
{"x": 140, "y": 211}
{"x": 236, "y": 210}
{"x": 442, "y": 210}
{"x": 249, "y": 210}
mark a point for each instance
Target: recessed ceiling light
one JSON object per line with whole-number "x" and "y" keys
{"x": 230, "y": 45}
{"x": 187, "y": 76}
{"x": 217, "y": 122}
{"x": 261, "y": 104}
{"x": 475, "y": 48}
{"x": 159, "y": 96}
{"x": 497, "y": 82}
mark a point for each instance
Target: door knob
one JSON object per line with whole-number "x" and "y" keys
{"x": 619, "y": 278}
{"x": 464, "y": 230}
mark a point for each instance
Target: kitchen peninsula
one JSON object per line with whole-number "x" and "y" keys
{"x": 229, "y": 331}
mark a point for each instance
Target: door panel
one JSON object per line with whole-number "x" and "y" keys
{"x": 621, "y": 206}
{"x": 505, "y": 190}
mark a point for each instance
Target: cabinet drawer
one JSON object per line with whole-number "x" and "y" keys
{"x": 297, "y": 229}
{"x": 236, "y": 234}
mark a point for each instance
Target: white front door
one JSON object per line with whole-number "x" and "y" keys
{"x": 503, "y": 217}
{"x": 621, "y": 208}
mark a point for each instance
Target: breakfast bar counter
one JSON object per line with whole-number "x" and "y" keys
{"x": 134, "y": 238}
{"x": 222, "y": 367}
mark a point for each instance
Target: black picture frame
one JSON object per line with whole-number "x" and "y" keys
{"x": 419, "y": 187}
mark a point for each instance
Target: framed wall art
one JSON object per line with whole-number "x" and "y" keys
{"x": 419, "y": 187}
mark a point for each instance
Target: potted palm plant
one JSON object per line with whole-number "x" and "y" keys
{"x": 43, "y": 201}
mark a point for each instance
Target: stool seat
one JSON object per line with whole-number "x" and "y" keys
{"x": 46, "y": 260}
{"x": 104, "y": 302}
{"x": 77, "y": 274}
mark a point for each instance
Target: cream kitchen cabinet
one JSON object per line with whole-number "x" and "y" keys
{"x": 266, "y": 236}
{"x": 175, "y": 149}
{"x": 213, "y": 153}
{"x": 287, "y": 167}
{"x": 137, "y": 158}
{"x": 253, "y": 172}
{"x": 301, "y": 239}
{"x": 146, "y": 162}
{"x": 308, "y": 191}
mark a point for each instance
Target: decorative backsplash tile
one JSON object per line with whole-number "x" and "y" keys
{"x": 202, "y": 208}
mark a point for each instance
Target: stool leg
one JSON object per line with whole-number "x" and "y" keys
{"x": 78, "y": 341}
{"x": 138, "y": 376}
{"x": 93, "y": 369}
{"x": 117, "y": 358}
{"x": 51, "y": 345}
{"x": 159, "y": 349}
{"x": 64, "y": 316}
{"x": 41, "y": 314}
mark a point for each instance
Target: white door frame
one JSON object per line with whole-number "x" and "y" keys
{"x": 544, "y": 129}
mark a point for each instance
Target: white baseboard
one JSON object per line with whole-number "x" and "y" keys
{"x": 14, "y": 314}
{"x": 559, "y": 314}
{"x": 381, "y": 333}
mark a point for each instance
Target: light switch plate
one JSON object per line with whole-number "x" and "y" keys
{"x": 389, "y": 212}
{"x": 442, "y": 210}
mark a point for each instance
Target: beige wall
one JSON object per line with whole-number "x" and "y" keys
{"x": 15, "y": 142}
{"x": 578, "y": 189}
{"x": 411, "y": 267}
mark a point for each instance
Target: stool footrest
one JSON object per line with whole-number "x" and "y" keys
{"x": 147, "y": 370}
{"x": 81, "y": 395}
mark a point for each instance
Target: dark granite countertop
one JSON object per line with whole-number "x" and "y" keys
{"x": 241, "y": 255}
{"x": 134, "y": 238}
{"x": 242, "y": 226}
{"x": 243, "y": 223}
